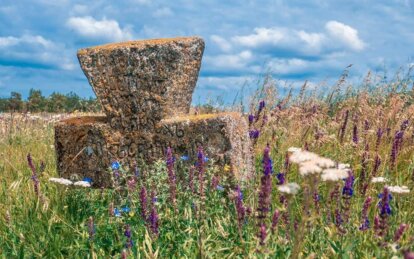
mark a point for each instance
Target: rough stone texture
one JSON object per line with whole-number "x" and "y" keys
{"x": 87, "y": 145}
{"x": 141, "y": 82}
{"x": 145, "y": 88}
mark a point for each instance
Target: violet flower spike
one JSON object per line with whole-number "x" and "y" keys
{"x": 400, "y": 231}
{"x": 143, "y": 201}
{"x": 171, "y": 176}
{"x": 129, "y": 243}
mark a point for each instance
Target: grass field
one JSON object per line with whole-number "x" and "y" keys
{"x": 177, "y": 210}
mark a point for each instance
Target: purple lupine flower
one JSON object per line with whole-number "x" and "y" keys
{"x": 91, "y": 228}
{"x": 355, "y": 137}
{"x": 378, "y": 141}
{"x": 129, "y": 243}
{"x": 34, "y": 177}
{"x": 265, "y": 189}
{"x": 262, "y": 234}
{"x": 348, "y": 189}
{"x": 215, "y": 182}
{"x": 384, "y": 211}
{"x": 365, "y": 221}
{"x": 171, "y": 176}
{"x": 254, "y": 134}
{"x": 376, "y": 224}
{"x": 261, "y": 106}
{"x": 201, "y": 168}
{"x": 153, "y": 220}
{"x": 275, "y": 219}
{"x": 404, "y": 125}
{"x": 251, "y": 119}
{"x": 143, "y": 201}
{"x": 396, "y": 145}
{"x": 316, "y": 199}
{"x": 343, "y": 127}
{"x": 400, "y": 231}
{"x": 281, "y": 178}
{"x": 240, "y": 209}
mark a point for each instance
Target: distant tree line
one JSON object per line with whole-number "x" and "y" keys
{"x": 55, "y": 103}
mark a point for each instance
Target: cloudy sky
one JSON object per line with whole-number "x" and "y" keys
{"x": 294, "y": 40}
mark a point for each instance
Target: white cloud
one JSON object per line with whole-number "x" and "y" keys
{"x": 79, "y": 9}
{"x": 25, "y": 39}
{"x": 104, "y": 29}
{"x": 345, "y": 34}
{"x": 224, "y": 83}
{"x": 233, "y": 61}
{"x": 261, "y": 36}
{"x": 222, "y": 43}
{"x": 163, "y": 12}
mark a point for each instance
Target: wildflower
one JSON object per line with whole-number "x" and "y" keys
{"x": 281, "y": 178}
{"x": 126, "y": 209}
{"x": 398, "y": 189}
{"x": 275, "y": 219}
{"x": 184, "y": 158}
{"x": 379, "y": 179}
{"x": 227, "y": 168}
{"x": 290, "y": 188}
{"x": 333, "y": 175}
{"x": 251, "y": 118}
{"x": 365, "y": 221}
{"x": 355, "y": 137}
{"x": 262, "y": 234}
{"x": 348, "y": 187}
{"x": 265, "y": 191}
{"x": 309, "y": 167}
{"x": 35, "y": 179}
{"x": 240, "y": 209}
{"x": 302, "y": 156}
{"x": 115, "y": 165}
{"x": 324, "y": 162}
{"x": 200, "y": 167}
{"x": 220, "y": 188}
{"x": 378, "y": 141}
{"x": 400, "y": 231}
{"x": 171, "y": 175}
{"x": 61, "y": 181}
{"x": 384, "y": 212}
{"x": 128, "y": 235}
{"x": 83, "y": 184}
{"x": 214, "y": 182}
{"x": 254, "y": 134}
{"x": 343, "y": 127}
{"x": 344, "y": 166}
{"x": 191, "y": 179}
{"x": 87, "y": 179}
{"x": 261, "y": 105}
{"x": 143, "y": 201}
{"x": 117, "y": 213}
{"x": 153, "y": 220}
{"x": 294, "y": 149}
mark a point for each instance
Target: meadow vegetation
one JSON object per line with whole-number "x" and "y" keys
{"x": 334, "y": 179}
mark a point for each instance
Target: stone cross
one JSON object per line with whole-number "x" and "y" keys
{"x": 145, "y": 88}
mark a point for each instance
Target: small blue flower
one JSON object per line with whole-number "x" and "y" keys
{"x": 126, "y": 209}
{"x": 117, "y": 213}
{"x": 185, "y": 158}
{"x": 115, "y": 165}
{"x": 206, "y": 159}
{"x": 155, "y": 199}
{"x": 220, "y": 188}
{"x": 87, "y": 179}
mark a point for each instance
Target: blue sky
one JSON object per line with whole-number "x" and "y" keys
{"x": 295, "y": 40}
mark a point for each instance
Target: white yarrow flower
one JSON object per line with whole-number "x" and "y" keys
{"x": 82, "y": 184}
{"x": 398, "y": 189}
{"x": 294, "y": 149}
{"x": 325, "y": 162}
{"x": 333, "y": 175}
{"x": 379, "y": 180}
{"x": 62, "y": 181}
{"x": 344, "y": 166}
{"x": 290, "y": 188}
{"x": 302, "y": 156}
{"x": 309, "y": 167}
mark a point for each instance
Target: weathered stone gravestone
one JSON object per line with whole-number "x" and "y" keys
{"x": 145, "y": 88}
